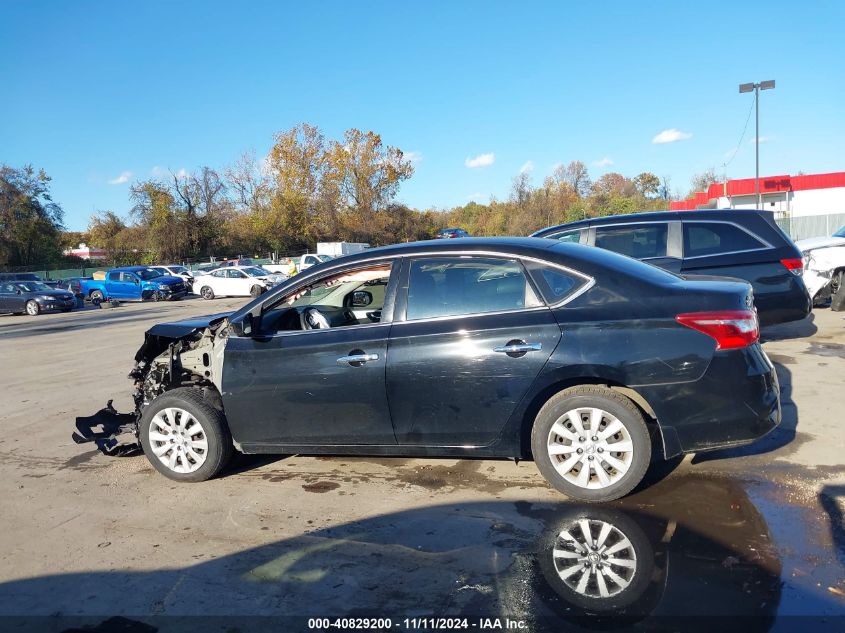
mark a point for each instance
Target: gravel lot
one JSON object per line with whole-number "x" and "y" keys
{"x": 84, "y": 534}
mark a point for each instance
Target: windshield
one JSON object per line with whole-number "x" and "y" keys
{"x": 148, "y": 273}
{"x": 255, "y": 271}
{"x": 33, "y": 286}
{"x": 324, "y": 258}
{"x": 840, "y": 232}
{"x": 178, "y": 270}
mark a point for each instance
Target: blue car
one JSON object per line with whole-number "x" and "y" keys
{"x": 134, "y": 283}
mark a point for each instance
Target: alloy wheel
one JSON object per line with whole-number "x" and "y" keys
{"x": 595, "y": 559}
{"x": 178, "y": 440}
{"x": 590, "y": 448}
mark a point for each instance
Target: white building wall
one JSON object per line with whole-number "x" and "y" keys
{"x": 791, "y": 203}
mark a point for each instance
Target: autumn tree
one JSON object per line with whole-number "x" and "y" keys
{"x": 647, "y": 184}
{"x": 30, "y": 221}
{"x": 701, "y": 182}
{"x": 576, "y": 175}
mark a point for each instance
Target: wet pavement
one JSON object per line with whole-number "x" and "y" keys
{"x": 750, "y": 539}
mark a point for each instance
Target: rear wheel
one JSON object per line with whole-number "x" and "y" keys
{"x": 207, "y": 293}
{"x": 591, "y": 443}
{"x": 32, "y": 308}
{"x": 837, "y": 293}
{"x": 96, "y": 297}
{"x": 184, "y": 437}
{"x": 255, "y": 291}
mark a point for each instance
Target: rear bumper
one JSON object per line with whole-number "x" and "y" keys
{"x": 735, "y": 402}
{"x": 791, "y": 303}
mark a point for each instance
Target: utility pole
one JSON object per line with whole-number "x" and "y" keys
{"x": 757, "y": 87}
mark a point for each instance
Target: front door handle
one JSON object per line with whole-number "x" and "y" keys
{"x": 518, "y": 347}
{"x": 356, "y": 360}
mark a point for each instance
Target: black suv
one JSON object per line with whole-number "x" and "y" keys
{"x": 746, "y": 244}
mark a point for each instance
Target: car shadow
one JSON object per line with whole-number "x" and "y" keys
{"x": 832, "y": 499}
{"x": 779, "y": 437}
{"x": 692, "y": 552}
{"x": 785, "y": 331}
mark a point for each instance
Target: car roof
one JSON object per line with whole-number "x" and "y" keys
{"x": 511, "y": 245}
{"x": 665, "y": 216}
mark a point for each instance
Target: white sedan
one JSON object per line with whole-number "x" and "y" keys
{"x": 236, "y": 281}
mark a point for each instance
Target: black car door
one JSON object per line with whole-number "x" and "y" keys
{"x": 469, "y": 337}
{"x": 285, "y": 386}
{"x": 7, "y": 291}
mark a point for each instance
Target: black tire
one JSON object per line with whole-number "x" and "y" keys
{"x": 220, "y": 447}
{"x": 207, "y": 293}
{"x": 611, "y": 402}
{"x": 32, "y": 308}
{"x": 640, "y": 552}
{"x": 256, "y": 291}
{"x": 837, "y": 298}
{"x": 96, "y": 297}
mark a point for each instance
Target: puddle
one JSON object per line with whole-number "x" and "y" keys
{"x": 835, "y": 350}
{"x": 692, "y": 551}
{"x": 321, "y": 486}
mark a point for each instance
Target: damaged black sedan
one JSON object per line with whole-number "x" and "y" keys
{"x": 583, "y": 360}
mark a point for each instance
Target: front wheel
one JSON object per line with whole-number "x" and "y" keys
{"x": 207, "y": 293}
{"x": 184, "y": 437}
{"x": 837, "y": 292}
{"x": 256, "y": 291}
{"x": 591, "y": 443}
{"x": 32, "y": 308}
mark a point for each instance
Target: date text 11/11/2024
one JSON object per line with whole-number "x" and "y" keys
{"x": 417, "y": 624}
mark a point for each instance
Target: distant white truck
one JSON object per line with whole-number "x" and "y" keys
{"x": 339, "y": 249}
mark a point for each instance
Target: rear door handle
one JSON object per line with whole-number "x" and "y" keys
{"x": 520, "y": 347}
{"x": 356, "y": 360}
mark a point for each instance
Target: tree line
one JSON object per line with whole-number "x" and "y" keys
{"x": 307, "y": 189}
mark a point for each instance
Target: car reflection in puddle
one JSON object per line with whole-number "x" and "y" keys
{"x": 674, "y": 556}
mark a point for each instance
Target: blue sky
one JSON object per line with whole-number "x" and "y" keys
{"x": 96, "y": 90}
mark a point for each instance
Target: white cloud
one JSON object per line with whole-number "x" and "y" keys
{"x": 527, "y": 168}
{"x": 157, "y": 171}
{"x": 670, "y": 136}
{"x": 763, "y": 139}
{"x": 477, "y": 196}
{"x": 413, "y": 157}
{"x": 182, "y": 173}
{"x": 482, "y": 160}
{"x": 604, "y": 162}
{"x": 122, "y": 179}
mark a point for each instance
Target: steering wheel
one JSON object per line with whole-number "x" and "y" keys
{"x": 313, "y": 319}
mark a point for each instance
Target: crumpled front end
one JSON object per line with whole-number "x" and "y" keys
{"x": 182, "y": 354}
{"x": 821, "y": 270}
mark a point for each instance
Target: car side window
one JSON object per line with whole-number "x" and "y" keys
{"x": 452, "y": 286}
{"x": 218, "y": 273}
{"x": 128, "y": 277}
{"x": 234, "y": 273}
{"x": 8, "y": 289}
{"x": 114, "y": 276}
{"x": 640, "y": 241}
{"x": 554, "y": 283}
{"x": 712, "y": 238}
{"x": 571, "y": 236}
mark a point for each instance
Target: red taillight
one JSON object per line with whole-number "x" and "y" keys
{"x": 795, "y": 266}
{"x": 730, "y": 328}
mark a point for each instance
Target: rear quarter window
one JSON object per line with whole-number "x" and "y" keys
{"x": 554, "y": 284}
{"x": 640, "y": 241}
{"x": 572, "y": 235}
{"x": 714, "y": 238}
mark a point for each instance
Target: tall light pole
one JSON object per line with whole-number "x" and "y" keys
{"x": 763, "y": 85}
